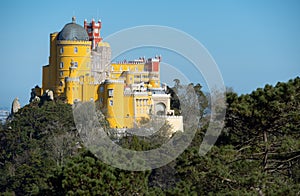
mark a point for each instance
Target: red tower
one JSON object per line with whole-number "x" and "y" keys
{"x": 152, "y": 64}
{"x": 93, "y": 30}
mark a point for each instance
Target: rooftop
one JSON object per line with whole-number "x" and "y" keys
{"x": 73, "y": 31}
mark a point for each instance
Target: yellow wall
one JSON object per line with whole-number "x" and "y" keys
{"x": 69, "y": 60}
{"x": 118, "y": 68}
{"x": 69, "y": 74}
{"x": 67, "y": 57}
{"x": 115, "y": 104}
{"x": 127, "y": 110}
{"x": 49, "y": 71}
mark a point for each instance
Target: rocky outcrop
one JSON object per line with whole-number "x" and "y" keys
{"x": 15, "y": 106}
{"x": 49, "y": 95}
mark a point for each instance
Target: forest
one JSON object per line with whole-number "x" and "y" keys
{"x": 257, "y": 153}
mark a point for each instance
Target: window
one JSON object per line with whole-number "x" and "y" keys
{"x": 61, "y": 65}
{"x": 121, "y": 68}
{"x": 61, "y": 73}
{"x": 160, "y": 108}
{"x": 75, "y": 50}
{"x": 111, "y": 102}
{"x": 61, "y": 83}
{"x": 112, "y": 68}
{"x": 101, "y": 100}
{"x": 61, "y": 50}
{"x": 110, "y": 92}
{"x": 101, "y": 89}
{"x": 75, "y": 64}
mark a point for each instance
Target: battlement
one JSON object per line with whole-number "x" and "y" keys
{"x": 72, "y": 42}
{"x": 70, "y": 79}
{"x": 109, "y": 81}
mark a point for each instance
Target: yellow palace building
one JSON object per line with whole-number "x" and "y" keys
{"x": 126, "y": 92}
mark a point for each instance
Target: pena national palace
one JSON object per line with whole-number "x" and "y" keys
{"x": 80, "y": 69}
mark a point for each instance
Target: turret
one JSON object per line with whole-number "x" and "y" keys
{"x": 93, "y": 29}
{"x": 152, "y": 65}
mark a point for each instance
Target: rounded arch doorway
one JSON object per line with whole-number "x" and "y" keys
{"x": 160, "y": 108}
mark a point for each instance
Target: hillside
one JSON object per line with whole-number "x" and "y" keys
{"x": 258, "y": 152}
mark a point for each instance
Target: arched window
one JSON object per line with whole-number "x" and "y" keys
{"x": 160, "y": 108}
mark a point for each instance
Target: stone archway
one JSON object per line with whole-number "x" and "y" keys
{"x": 160, "y": 108}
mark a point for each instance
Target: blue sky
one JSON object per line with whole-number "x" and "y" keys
{"x": 253, "y": 42}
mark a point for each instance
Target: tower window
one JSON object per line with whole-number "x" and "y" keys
{"x": 110, "y": 92}
{"x": 75, "y": 50}
{"x": 101, "y": 89}
{"x": 75, "y": 64}
{"x": 61, "y": 65}
{"x": 61, "y": 73}
{"x": 61, "y": 50}
{"x": 111, "y": 102}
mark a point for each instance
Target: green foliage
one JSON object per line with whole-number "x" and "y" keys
{"x": 264, "y": 127}
{"x": 258, "y": 153}
{"x": 32, "y": 143}
{"x": 175, "y": 102}
{"x": 85, "y": 174}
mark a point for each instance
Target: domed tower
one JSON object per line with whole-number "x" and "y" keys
{"x": 68, "y": 72}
